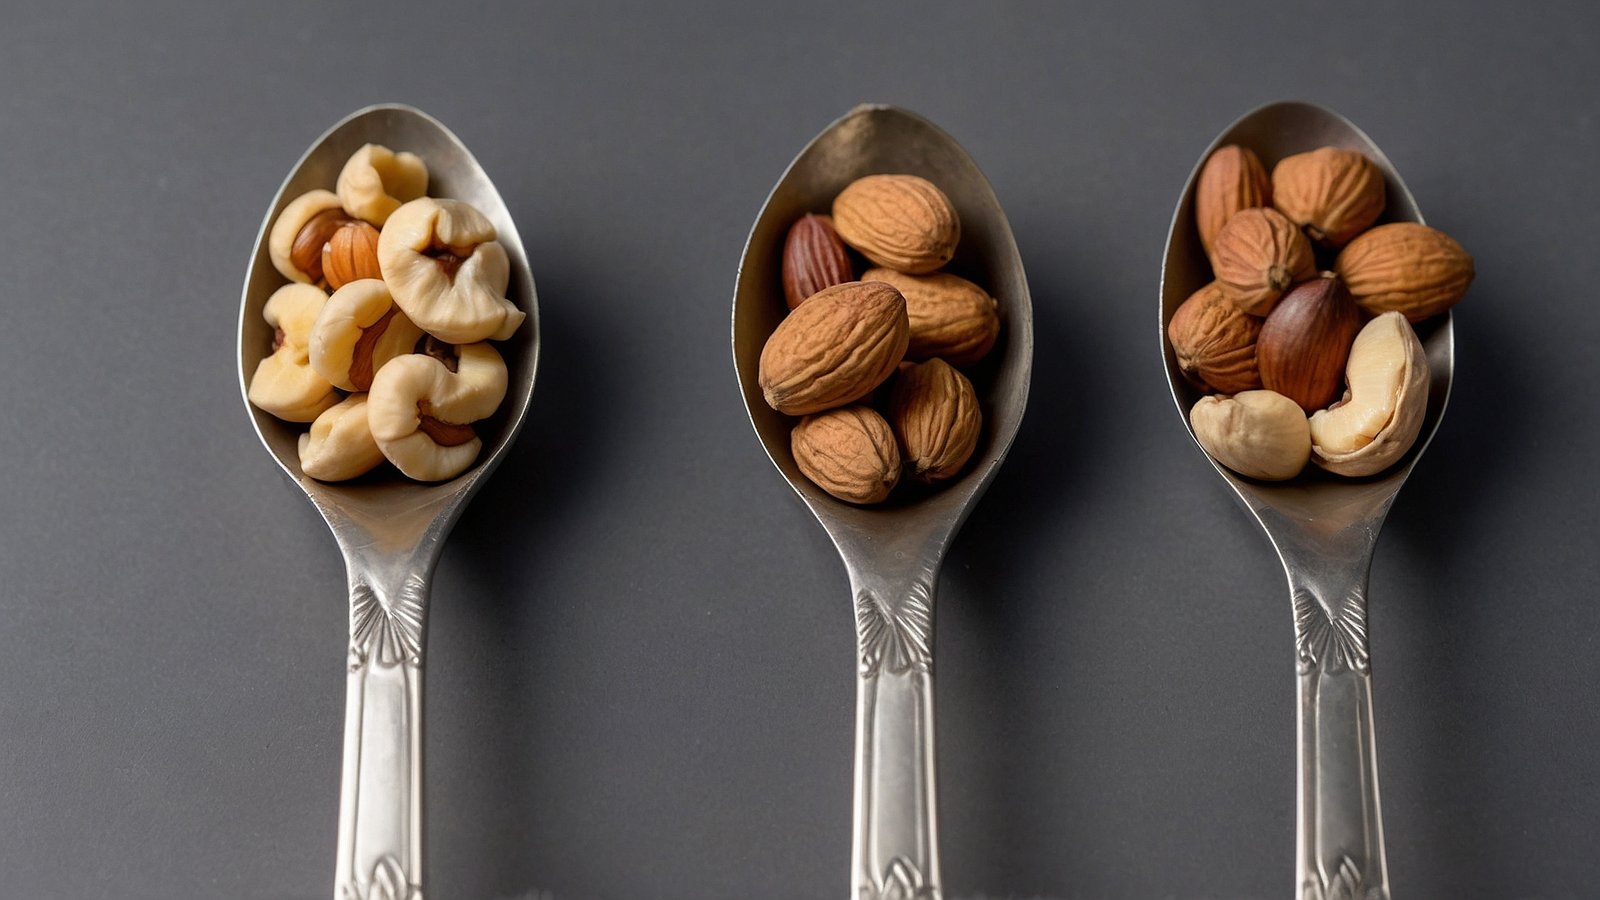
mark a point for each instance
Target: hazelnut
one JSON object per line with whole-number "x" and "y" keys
{"x": 1257, "y": 256}
{"x": 1214, "y": 343}
{"x": 1334, "y": 194}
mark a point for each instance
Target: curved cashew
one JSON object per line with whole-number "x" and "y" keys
{"x": 295, "y": 250}
{"x": 376, "y": 180}
{"x": 358, "y": 331}
{"x": 284, "y": 383}
{"x": 1381, "y": 413}
{"x": 447, "y": 271}
{"x": 421, "y": 410}
{"x": 1262, "y": 434}
{"x": 340, "y": 445}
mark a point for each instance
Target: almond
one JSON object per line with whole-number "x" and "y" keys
{"x": 900, "y": 221}
{"x": 813, "y": 258}
{"x": 834, "y": 348}
{"x": 1405, "y": 267}
{"x": 848, "y": 452}
{"x": 934, "y": 411}
{"x": 951, "y": 318}
{"x": 1231, "y": 179}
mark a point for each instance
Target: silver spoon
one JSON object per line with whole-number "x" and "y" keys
{"x": 893, "y": 552}
{"x": 390, "y": 530}
{"x": 1324, "y": 529}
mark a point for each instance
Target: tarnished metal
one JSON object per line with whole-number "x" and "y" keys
{"x": 390, "y": 530}
{"x": 1324, "y": 529}
{"x": 892, "y": 552}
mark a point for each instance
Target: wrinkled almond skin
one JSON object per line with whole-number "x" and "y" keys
{"x": 813, "y": 258}
{"x": 1333, "y": 194}
{"x": 848, "y": 452}
{"x": 1257, "y": 256}
{"x": 951, "y": 318}
{"x": 1215, "y": 343}
{"x": 1231, "y": 179}
{"x": 934, "y": 412}
{"x": 350, "y": 254}
{"x": 834, "y": 348}
{"x": 1405, "y": 267}
{"x": 899, "y": 221}
{"x": 1305, "y": 342}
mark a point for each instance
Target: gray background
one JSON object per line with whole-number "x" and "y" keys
{"x": 641, "y": 648}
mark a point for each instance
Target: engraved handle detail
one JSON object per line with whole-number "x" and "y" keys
{"x": 380, "y": 809}
{"x": 1340, "y": 847}
{"x": 895, "y": 854}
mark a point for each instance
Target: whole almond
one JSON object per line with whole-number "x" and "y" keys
{"x": 1231, "y": 179}
{"x": 848, "y": 452}
{"x": 951, "y": 318}
{"x": 350, "y": 254}
{"x": 1305, "y": 342}
{"x": 834, "y": 348}
{"x": 900, "y": 221}
{"x": 934, "y": 411}
{"x": 813, "y": 258}
{"x": 1214, "y": 343}
{"x": 1257, "y": 256}
{"x": 1406, "y": 267}
{"x": 1333, "y": 194}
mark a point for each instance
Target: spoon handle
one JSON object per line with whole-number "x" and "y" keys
{"x": 1340, "y": 843}
{"x": 380, "y": 809}
{"x": 896, "y": 844}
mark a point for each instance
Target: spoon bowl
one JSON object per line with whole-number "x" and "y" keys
{"x": 1324, "y": 529}
{"x": 390, "y": 530}
{"x": 892, "y": 551}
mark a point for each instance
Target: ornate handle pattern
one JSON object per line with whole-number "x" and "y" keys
{"x": 895, "y": 852}
{"x": 380, "y": 810}
{"x": 1340, "y": 845}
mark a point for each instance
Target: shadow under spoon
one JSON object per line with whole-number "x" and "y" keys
{"x": 1324, "y": 529}
{"x": 390, "y": 530}
{"x": 892, "y": 552}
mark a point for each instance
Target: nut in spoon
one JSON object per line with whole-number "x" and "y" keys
{"x": 892, "y": 552}
{"x": 1324, "y": 529}
{"x": 390, "y": 530}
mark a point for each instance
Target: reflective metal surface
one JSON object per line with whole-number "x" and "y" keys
{"x": 390, "y": 530}
{"x": 1324, "y": 529}
{"x": 892, "y": 552}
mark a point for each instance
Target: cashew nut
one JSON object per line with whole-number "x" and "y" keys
{"x": 1260, "y": 434}
{"x": 376, "y": 180}
{"x": 284, "y": 383}
{"x": 421, "y": 410}
{"x": 447, "y": 271}
{"x": 340, "y": 445}
{"x": 358, "y": 331}
{"x": 1381, "y": 413}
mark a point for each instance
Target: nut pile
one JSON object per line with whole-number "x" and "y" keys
{"x": 395, "y": 363}
{"x": 1304, "y": 340}
{"x": 903, "y": 319}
